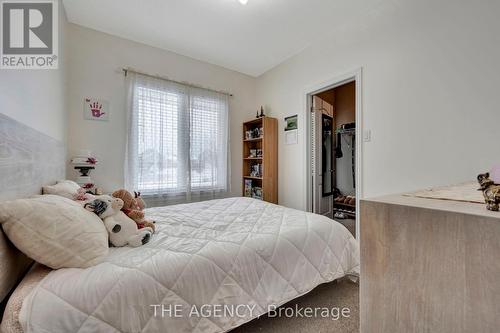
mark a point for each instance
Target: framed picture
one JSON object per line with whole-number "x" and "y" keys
{"x": 291, "y": 123}
{"x": 95, "y": 109}
{"x": 291, "y": 137}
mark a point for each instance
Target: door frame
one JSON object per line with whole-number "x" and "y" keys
{"x": 356, "y": 76}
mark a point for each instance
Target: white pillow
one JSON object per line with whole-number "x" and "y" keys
{"x": 55, "y": 231}
{"x": 63, "y": 188}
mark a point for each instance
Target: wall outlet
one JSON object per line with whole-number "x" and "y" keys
{"x": 367, "y": 135}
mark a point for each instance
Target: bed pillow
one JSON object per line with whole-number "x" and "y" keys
{"x": 63, "y": 188}
{"x": 55, "y": 231}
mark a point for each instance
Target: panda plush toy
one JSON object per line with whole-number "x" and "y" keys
{"x": 122, "y": 230}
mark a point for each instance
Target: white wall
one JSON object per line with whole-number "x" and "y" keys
{"x": 431, "y": 83}
{"x": 37, "y": 97}
{"x": 95, "y": 66}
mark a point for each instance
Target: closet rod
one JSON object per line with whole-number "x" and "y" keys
{"x": 126, "y": 70}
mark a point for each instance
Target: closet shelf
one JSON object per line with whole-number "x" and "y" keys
{"x": 346, "y": 212}
{"x": 344, "y": 204}
{"x": 346, "y": 131}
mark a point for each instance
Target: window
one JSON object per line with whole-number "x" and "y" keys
{"x": 178, "y": 138}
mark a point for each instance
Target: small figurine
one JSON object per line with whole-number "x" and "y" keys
{"x": 257, "y": 116}
{"x": 491, "y": 191}
{"x": 262, "y": 111}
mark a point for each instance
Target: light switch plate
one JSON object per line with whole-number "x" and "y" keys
{"x": 367, "y": 135}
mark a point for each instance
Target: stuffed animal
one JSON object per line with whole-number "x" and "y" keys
{"x": 82, "y": 195}
{"x": 491, "y": 191}
{"x": 121, "y": 229}
{"x": 133, "y": 207}
{"x": 140, "y": 202}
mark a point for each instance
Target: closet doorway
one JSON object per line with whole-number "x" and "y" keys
{"x": 334, "y": 151}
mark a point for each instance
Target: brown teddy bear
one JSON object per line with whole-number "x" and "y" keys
{"x": 133, "y": 207}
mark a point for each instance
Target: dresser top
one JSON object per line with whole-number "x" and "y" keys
{"x": 475, "y": 209}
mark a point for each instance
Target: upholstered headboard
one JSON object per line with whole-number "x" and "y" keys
{"x": 28, "y": 160}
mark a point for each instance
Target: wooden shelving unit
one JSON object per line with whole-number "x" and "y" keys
{"x": 347, "y": 209}
{"x": 268, "y": 142}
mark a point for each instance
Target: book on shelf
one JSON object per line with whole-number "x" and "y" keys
{"x": 248, "y": 188}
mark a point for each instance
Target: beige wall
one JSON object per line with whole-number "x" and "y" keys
{"x": 37, "y": 98}
{"x": 430, "y": 94}
{"x": 95, "y": 71}
{"x": 431, "y": 78}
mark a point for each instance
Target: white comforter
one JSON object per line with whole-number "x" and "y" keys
{"x": 210, "y": 267}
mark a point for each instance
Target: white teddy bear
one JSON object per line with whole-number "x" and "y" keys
{"x": 122, "y": 229}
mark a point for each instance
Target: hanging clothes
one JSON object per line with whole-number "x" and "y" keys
{"x": 338, "y": 146}
{"x": 345, "y": 153}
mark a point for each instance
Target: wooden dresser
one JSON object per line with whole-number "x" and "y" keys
{"x": 429, "y": 266}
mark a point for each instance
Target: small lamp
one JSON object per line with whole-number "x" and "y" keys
{"x": 84, "y": 162}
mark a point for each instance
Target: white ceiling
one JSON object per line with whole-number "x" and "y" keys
{"x": 250, "y": 38}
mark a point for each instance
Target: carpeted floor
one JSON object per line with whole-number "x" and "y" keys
{"x": 350, "y": 224}
{"x": 341, "y": 294}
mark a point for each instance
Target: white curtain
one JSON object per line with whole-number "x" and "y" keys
{"x": 177, "y": 145}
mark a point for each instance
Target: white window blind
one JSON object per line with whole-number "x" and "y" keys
{"x": 178, "y": 139}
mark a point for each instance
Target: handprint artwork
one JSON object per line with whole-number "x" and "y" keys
{"x": 96, "y": 109}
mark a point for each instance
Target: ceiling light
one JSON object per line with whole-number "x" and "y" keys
{"x": 243, "y": 2}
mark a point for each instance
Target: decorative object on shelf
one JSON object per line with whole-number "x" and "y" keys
{"x": 95, "y": 109}
{"x": 257, "y": 193}
{"x": 255, "y": 133}
{"x": 291, "y": 123}
{"x": 491, "y": 191}
{"x": 259, "y": 153}
{"x": 84, "y": 162}
{"x": 261, "y": 115}
{"x": 253, "y": 153}
{"x": 256, "y": 170}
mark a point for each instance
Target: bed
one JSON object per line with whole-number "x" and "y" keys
{"x": 210, "y": 267}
